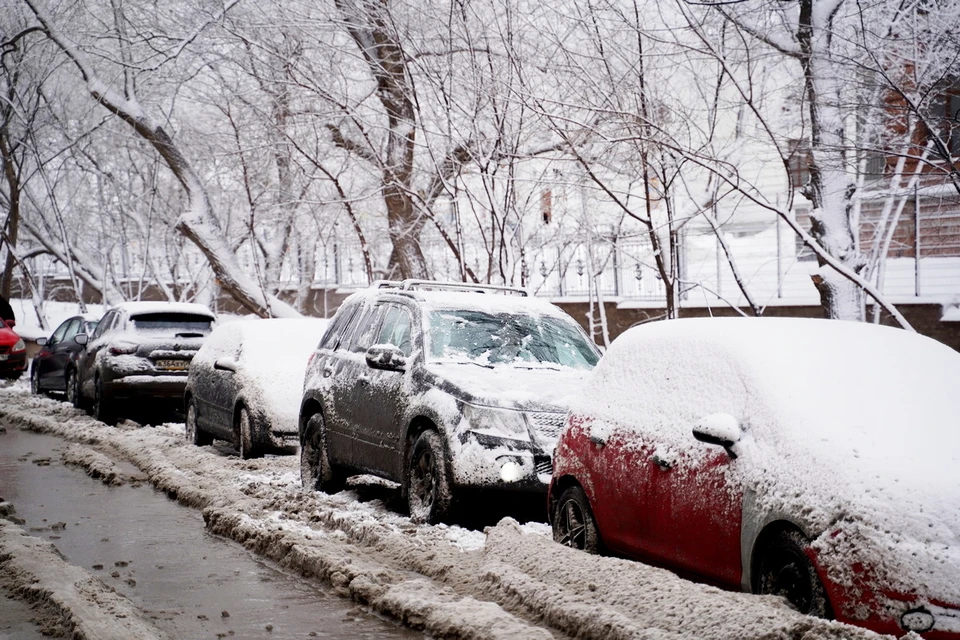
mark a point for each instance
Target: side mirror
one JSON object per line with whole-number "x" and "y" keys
{"x": 80, "y": 338}
{"x": 386, "y": 357}
{"x": 225, "y": 364}
{"x": 41, "y": 342}
{"x": 719, "y": 428}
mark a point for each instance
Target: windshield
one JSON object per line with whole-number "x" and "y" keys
{"x": 517, "y": 339}
{"x": 181, "y": 325}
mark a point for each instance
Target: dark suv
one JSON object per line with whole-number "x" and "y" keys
{"x": 440, "y": 387}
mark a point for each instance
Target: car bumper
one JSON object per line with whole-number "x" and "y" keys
{"x": 147, "y": 386}
{"x": 13, "y": 362}
{"x": 488, "y": 462}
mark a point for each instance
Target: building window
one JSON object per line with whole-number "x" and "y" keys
{"x": 546, "y": 205}
{"x": 948, "y": 113}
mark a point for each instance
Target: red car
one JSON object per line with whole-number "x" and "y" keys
{"x": 13, "y": 352}
{"x": 814, "y": 459}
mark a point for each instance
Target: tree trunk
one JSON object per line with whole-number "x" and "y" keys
{"x": 829, "y": 188}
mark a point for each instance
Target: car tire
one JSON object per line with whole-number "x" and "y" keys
{"x": 104, "y": 408}
{"x": 317, "y": 473}
{"x": 35, "y": 380}
{"x": 429, "y": 490}
{"x": 784, "y": 569}
{"x": 573, "y": 522}
{"x": 74, "y": 396}
{"x": 248, "y": 448}
{"x": 193, "y": 433}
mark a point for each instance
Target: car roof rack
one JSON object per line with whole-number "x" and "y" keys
{"x": 434, "y": 285}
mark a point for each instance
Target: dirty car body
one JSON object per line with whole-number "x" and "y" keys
{"x": 140, "y": 351}
{"x": 440, "y": 391}
{"x": 57, "y": 358}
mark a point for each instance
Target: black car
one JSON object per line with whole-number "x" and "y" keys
{"x": 140, "y": 351}
{"x": 440, "y": 387}
{"x": 57, "y": 358}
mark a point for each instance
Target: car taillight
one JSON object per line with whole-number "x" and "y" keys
{"x": 122, "y": 349}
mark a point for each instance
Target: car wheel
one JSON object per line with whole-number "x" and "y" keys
{"x": 248, "y": 448}
{"x": 194, "y": 434}
{"x": 73, "y": 390}
{"x": 785, "y": 570}
{"x": 35, "y": 381}
{"x": 316, "y": 471}
{"x": 573, "y": 522}
{"x": 103, "y": 405}
{"x": 429, "y": 491}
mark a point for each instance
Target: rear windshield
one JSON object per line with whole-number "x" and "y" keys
{"x": 181, "y": 325}
{"x": 517, "y": 339}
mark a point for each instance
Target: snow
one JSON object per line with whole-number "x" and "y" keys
{"x": 272, "y": 354}
{"x": 54, "y": 314}
{"x": 138, "y": 308}
{"x": 508, "y": 581}
{"x": 847, "y": 427}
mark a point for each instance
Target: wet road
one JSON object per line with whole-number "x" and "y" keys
{"x": 157, "y": 553}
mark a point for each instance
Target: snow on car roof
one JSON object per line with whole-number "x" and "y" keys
{"x": 841, "y": 420}
{"x": 140, "y": 308}
{"x": 489, "y": 302}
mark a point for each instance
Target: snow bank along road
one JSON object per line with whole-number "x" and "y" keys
{"x": 509, "y": 581}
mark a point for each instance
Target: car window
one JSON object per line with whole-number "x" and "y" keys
{"x": 59, "y": 333}
{"x": 396, "y": 328}
{"x": 181, "y": 325}
{"x": 73, "y": 329}
{"x": 364, "y": 332}
{"x": 336, "y": 330}
{"x": 512, "y": 338}
{"x": 89, "y": 327}
{"x": 105, "y": 323}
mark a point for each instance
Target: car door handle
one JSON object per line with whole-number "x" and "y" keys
{"x": 663, "y": 463}
{"x": 598, "y": 440}
{"x": 327, "y": 372}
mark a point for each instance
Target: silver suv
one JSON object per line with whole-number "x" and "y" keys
{"x": 440, "y": 387}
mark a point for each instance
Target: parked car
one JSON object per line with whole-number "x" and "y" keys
{"x": 13, "y": 352}
{"x": 57, "y": 357}
{"x": 139, "y": 351}
{"x": 815, "y": 459}
{"x": 245, "y": 383}
{"x": 440, "y": 387}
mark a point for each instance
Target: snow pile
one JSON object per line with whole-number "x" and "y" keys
{"x": 846, "y": 427}
{"x": 508, "y": 582}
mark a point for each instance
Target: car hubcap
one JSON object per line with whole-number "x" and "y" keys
{"x": 573, "y": 530}
{"x": 424, "y": 474}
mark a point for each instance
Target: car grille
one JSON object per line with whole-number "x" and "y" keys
{"x": 548, "y": 424}
{"x": 4, "y": 348}
{"x": 544, "y": 466}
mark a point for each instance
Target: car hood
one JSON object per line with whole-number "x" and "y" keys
{"x": 508, "y": 386}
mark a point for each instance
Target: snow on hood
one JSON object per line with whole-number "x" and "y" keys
{"x": 845, "y": 425}
{"x": 509, "y": 386}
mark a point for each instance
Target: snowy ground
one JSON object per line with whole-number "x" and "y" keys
{"x": 508, "y": 581}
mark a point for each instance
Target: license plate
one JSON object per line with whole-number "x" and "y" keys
{"x": 173, "y": 365}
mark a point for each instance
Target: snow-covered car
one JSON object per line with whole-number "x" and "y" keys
{"x": 13, "y": 352}
{"x": 440, "y": 387}
{"x": 139, "y": 351}
{"x": 58, "y": 354}
{"x": 246, "y": 381}
{"x": 815, "y": 459}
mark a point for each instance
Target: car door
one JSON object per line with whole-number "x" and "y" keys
{"x": 61, "y": 355}
{"x": 380, "y": 396}
{"x": 351, "y": 434}
{"x": 87, "y": 359}
{"x": 46, "y": 359}
{"x": 687, "y": 494}
{"x": 214, "y": 388}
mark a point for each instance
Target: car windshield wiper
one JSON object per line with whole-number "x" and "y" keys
{"x": 479, "y": 364}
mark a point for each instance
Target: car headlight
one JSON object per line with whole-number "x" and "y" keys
{"x": 504, "y": 423}
{"x": 20, "y": 345}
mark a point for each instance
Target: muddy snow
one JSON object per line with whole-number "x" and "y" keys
{"x": 508, "y": 581}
